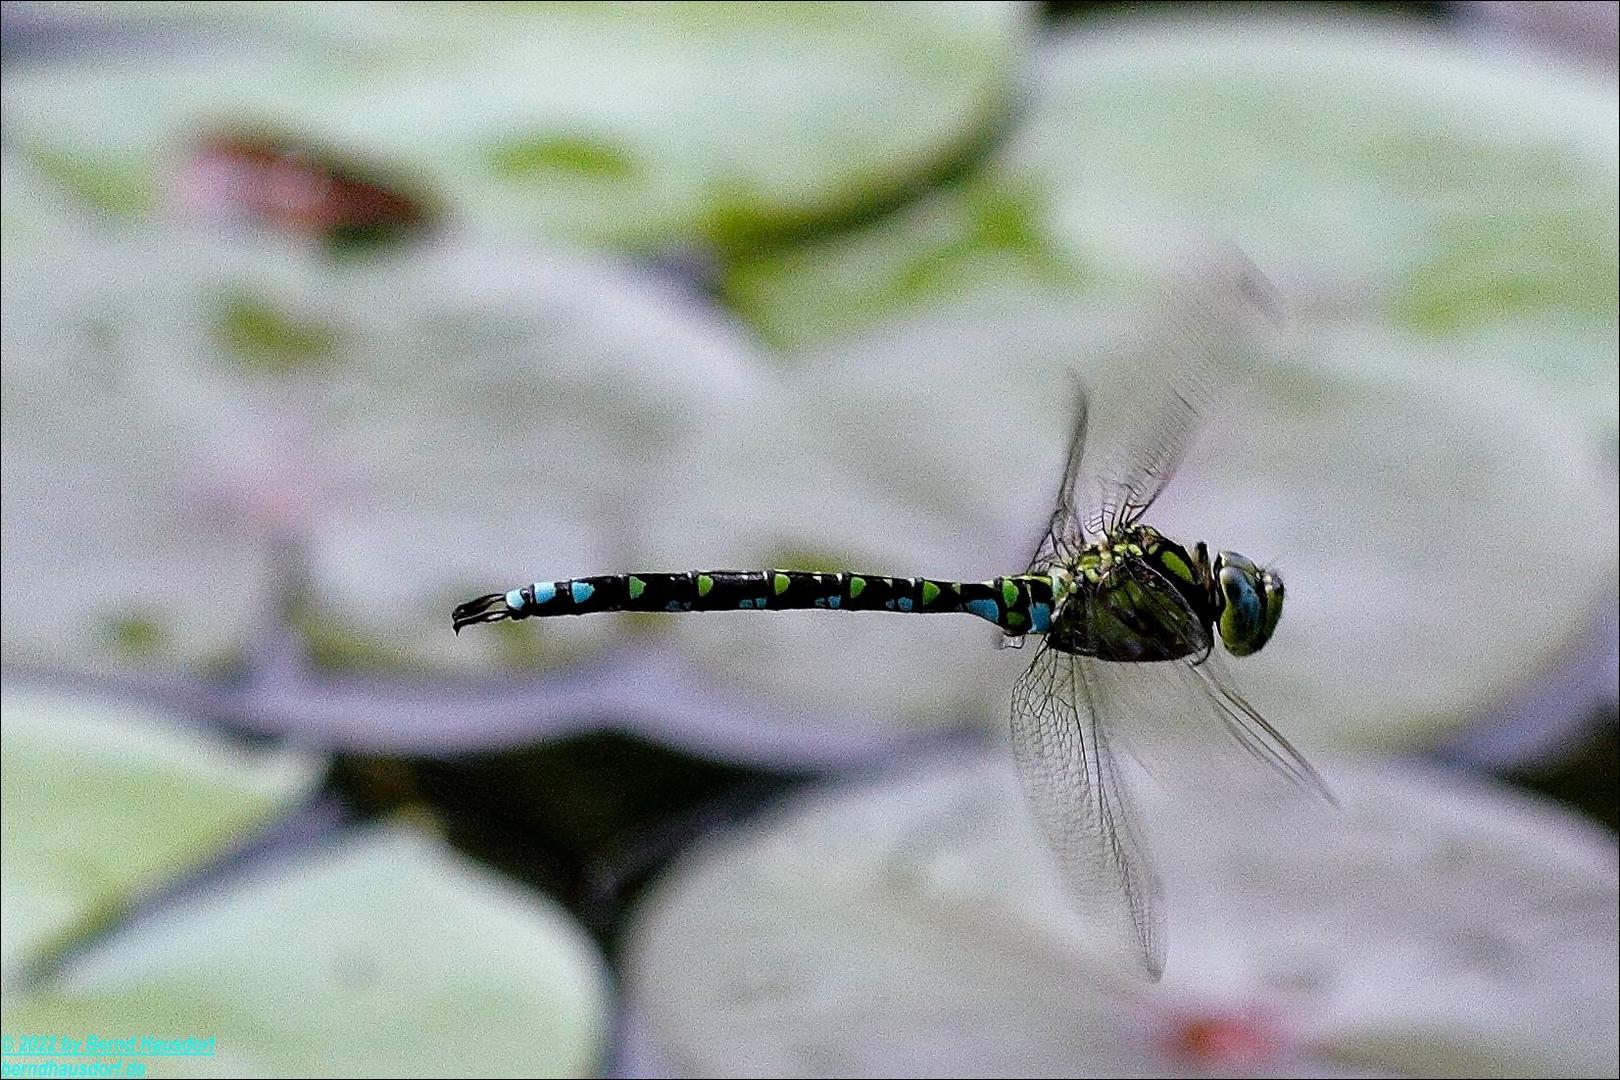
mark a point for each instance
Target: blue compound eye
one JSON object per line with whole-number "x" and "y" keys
{"x": 1252, "y": 602}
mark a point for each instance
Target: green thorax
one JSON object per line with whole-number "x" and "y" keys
{"x": 1135, "y": 596}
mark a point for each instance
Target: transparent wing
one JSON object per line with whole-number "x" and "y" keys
{"x": 1050, "y": 547}
{"x": 1190, "y": 709}
{"x": 1083, "y": 809}
{"x": 1171, "y": 369}
{"x": 1254, "y": 732}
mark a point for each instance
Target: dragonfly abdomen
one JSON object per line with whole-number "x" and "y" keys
{"x": 1018, "y": 605}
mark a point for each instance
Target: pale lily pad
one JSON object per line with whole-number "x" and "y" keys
{"x": 388, "y": 955}
{"x": 1461, "y": 195}
{"x": 767, "y": 490}
{"x": 1409, "y": 502}
{"x": 638, "y": 126}
{"x": 913, "y": 926}
{"x": 106, "y": 801}
{"x": 199, "y": 432}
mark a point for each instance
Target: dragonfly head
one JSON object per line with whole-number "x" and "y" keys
{"x": 1250, "y": 602}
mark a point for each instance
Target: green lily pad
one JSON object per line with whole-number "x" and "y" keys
{"x": 1461, "y": 196}
{"x": 1437, "y": 927}
{"x": 105, "y": 802}
{"x": 1410, "y": 502}
{"x": 387, "y": 955}
{"x": 32, "y": 212}
{"x": 232, "y": 430}
{"x": 640, "y": 127}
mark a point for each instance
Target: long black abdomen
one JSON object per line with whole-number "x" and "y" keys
{"x": 1018, "y": 605}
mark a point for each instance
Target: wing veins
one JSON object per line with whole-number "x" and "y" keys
{"x": 1257, "y": 734}
{"x": 1060, "y": 744}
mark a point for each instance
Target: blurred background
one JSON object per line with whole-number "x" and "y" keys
{"x": 321, "y": 318}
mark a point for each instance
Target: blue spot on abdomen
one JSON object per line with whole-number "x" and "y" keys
{"x": 545, "y": 592}
{"x": 581, "y": 591}
{"x": 984, "y": 609}
{"x": 1040, "y": 618}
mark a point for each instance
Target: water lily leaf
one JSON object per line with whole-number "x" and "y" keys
{"x": 385, "y": 955}
{"x": 767, "y": 489}
{"x": 33, "y": 212}
{"x": 238, "y": 430}
{"x": 104, "y": 802}
{"x": 914, "y": 925}
{"x": 1462, "y": 196}
{"x": 643, "y": 128}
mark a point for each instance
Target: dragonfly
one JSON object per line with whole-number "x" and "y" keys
{"x": 1131, "y": 622}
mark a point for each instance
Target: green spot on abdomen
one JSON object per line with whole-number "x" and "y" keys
{"x": 1009, "y": 591}
{"x": 636, "y": 588}
{"x": 780, "y": 584}
{"x": 704, "y": 583}
{"x": 930, "y": 592}
{"x": 857, "y": 585}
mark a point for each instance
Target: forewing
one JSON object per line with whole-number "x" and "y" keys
{"x": 1213, "y": 317}
{"x": 1253, "y": 731}
{"x": 1082, "y": 807}
{"x": 1188, "y": 709}
{"x": 1050, "y": 548}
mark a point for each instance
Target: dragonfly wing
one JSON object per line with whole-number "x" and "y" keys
{"x": 1081, "y": 805}
{"x": 1253, "y": 731}
{"x": 1171, "y": 369}
{"x": 1052, "y": 547}
{"x": 1181, "y": 705}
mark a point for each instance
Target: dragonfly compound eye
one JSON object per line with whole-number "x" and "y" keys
{"x": 1252, "y": 601}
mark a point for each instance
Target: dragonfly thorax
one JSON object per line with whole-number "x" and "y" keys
{"x": 1137, "y": 596}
